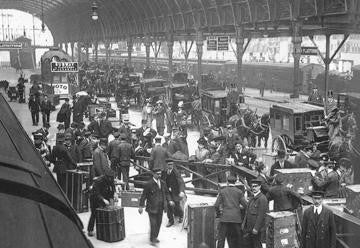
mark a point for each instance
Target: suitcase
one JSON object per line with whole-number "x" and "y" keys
{"x": 110, "y": 224}
{"x": 353, "y": 199}
{"x": 201, "y": 219}
{"x": 77, "y": 185}
{"x": 297, "y": 178}
{"x": 130, "y": 198}
{"x": 281, "y": 230}
{"x": 142, "y": 179}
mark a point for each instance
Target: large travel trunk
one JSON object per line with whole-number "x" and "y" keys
{"x": 201, "y": 225}
{"x": 130, "y": 198}
{"x": 281, "y": 230}
{"x": 297, "y": 178}
{"x": 110, "y": 224}
{"x": 353, "y": 199}
{"x": 77, "y": 186}
{"x": 141, "y": 179}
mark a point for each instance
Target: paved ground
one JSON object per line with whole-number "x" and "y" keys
{"x": 137, "y": 226}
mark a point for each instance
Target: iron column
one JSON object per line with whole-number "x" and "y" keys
{"x": 199, "y": 52}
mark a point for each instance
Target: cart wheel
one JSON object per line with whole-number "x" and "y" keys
{"x": 205, "y": 121}
{"x": 288, "y": 142}
{"x": 278, "y": 144}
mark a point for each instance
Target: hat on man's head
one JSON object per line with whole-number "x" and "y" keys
{"x": 158, "y": 139}
{"x": 116, "y": 134}
{"x": 103, "y": 141}
{"x": 87, "y": 133}
{"x": 60, "y": 126}
{"x": 169, "y": 160}
{"x": 256, "y": 181}
{"x": 317, "y": 193}
{"x": 156, "y": 170}
{"x": 202, "y": 141}
{"x": 281, "y": 154}
{"x": 219, "y": 138}
{"x": 60, "y": 137}
{"x": 231, "y": 179}
{"x": 67, "y": 99}
{"x": 122, "y": 136}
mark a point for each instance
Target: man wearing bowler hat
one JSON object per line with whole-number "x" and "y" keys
{"x": 156, "y": 197}
{"x": 281, "y": 163}
{"x": 176, "y": 187}
{"x": 254, "y": 221}
{"x": 318, "y": 225}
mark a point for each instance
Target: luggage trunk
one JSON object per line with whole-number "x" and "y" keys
{"x": 353, "y": 199}
{"x": 297, "y": 178}
{"x": 77, "y": 185}
{"x": 110, "y": 224}
{"x": 130, "y": 198}
{"x": 281, "y": 230}
{"x": 201, "y": 218}
{"x": 141, "y": 179}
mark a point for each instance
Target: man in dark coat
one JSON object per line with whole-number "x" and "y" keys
{"x": 34, "y": 107}
{"x": 254, "y": 221}
{"x": 100, "y": 159}
{"x": 242, "y": 156}
{"x": 284, "y": 198}
{"x": 102, "y": 191}
{"x": 85, "y": 146}
{"x": 159, "y": 113}
{"x": 158, "y": 156}
{"x": 64, "y": 113}
{"x": 156, "y": 197}
{"x": 126, "y": 153}
{"x": 227, "y": 207}
{"x": 45, "y": 110}
{"x": 318, "y": 225}
{"x": 282, "y": 163}
{"x": 101, "y": 127}
{"x": 62, "y": 160}
{"x": 176, "y": 187}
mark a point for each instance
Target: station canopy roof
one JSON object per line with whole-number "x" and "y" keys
{"x": 70, "y": 20}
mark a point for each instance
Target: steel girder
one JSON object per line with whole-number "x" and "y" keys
{"x": 69, "y": 20}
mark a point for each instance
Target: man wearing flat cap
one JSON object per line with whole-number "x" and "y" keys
{"x": 318, "y": 225}
{"x": 254, "y": 221}
{"x": 156, "y": 198}
{"x": 176, "y": 187}
{"x": 281, "y": 163}
{"x": 227, "y": 207}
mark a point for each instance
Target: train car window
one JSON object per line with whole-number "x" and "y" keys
{"x": 298, "y": 126}
{"x": 286, "y": 122}
{"x": 278, "y": 121}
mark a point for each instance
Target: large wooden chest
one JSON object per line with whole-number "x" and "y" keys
{"x": 130, "y": 198}
{"x": 297, "y": 178}
{"x": 201, "y": 219}
{"x": 77, "y": 186}
{"x": 353, "y": 199}
{"x": 110, "y": 224}
{"x": 281, "y": 230}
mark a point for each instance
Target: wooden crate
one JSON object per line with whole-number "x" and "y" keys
{"x": 353, "y": 199}
{"x": 297, "y": 178}
{"x": 201, "y": 219}
{"x": 77, "y": 186}
{"x": 130, "y": 198}
{"x": 281, "y": 230}
{"x": 110, "y": 224}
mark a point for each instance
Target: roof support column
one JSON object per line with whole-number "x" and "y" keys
{"x": 107, "y": 51}
{"x": 79, "y": 51}
{"x": 239, "y": 32}
{"x": 96, "y": 46}
{"x": 72, "y": 50}
{"x": 67, "y": 47}
{"x": 296, "y": 40}
{"x": 170, "y": 45}
{"x": 147, "y": 44}
{"x": 199, "y": 52}
{"x": 129, "y": 50}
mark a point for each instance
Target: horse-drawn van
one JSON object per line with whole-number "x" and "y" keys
{"x": 296, "y": 125}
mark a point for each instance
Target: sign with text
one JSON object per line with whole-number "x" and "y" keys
{"x": 309, "y": 51}
{"x": 61, "y": 88}
{"x": 10, "y": 45}
{"x": 218, "y": 43}
{"x": 64, "y": 67}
